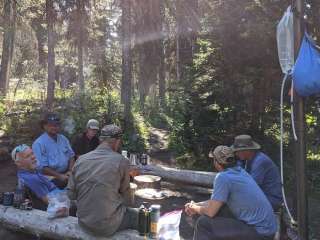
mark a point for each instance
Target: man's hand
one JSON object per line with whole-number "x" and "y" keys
{"x": 63, "y": 177}
{"x": 190, "y": 208}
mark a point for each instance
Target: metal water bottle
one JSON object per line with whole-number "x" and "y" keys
{"x": 143, "y": 224}
{"x": 154, "y": 220}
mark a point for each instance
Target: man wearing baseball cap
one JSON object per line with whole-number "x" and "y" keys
{"x": 55, "y": 157}
{"x": 88, "y": 140}
{"x": 100, "y": 183}
{"x": 253, "y": 217}
{"x": 260, "y": 167}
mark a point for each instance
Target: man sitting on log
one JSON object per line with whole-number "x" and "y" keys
{"x": 88, "y": 140}
{"x": 55, "y": 157}
{"x": 100, "y": 183}
{"x": 260, "y": 167}
{"x": 25, "y": 160}
{"x": 251, "y": 216}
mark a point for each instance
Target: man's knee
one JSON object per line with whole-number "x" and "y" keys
{"x": 202, "y": 222}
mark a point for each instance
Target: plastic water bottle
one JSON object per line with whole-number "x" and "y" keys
{"x": 285, "y": 41}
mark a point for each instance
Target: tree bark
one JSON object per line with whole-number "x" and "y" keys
{"x": 198, "y": 178}
{"x": 162, "y": 68}
{"x": 9, "y": 12}
{"x": 51, "y": 54}
{"x": 81, "y": 15}
{"x": 126, "y": 59}
{"x": 36, "y": 222}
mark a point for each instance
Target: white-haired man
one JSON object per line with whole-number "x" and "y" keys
{"x": 26, "y": 162}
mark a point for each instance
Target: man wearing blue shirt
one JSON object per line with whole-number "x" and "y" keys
{"x": 25, "y": 160}
{"x": 253, "y": 218}
{"x": 55, "y": 157}
{"x": 260, "y": 167}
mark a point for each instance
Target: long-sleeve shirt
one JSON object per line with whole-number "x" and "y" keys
{"x": 100, "y": 183}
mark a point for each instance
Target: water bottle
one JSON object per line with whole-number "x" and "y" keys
{"x": 18, "y": 198}
{"x": 285, "y": 41}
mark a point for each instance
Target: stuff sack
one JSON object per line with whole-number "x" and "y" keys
{"x": 169, "y": 226}
{"x": 306, "y": 72}
{"x": 59, "y": 204}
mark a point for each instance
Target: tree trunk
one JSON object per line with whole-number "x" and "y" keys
{"x": 9, "y": 12}
{"x": 126, "y": 59}
{"x": 187, "y": 27}
{"x": 36, "y": 25}
{"x": 37, "y": 223}
{"x": 81, "y": 15}
{"x": 162, "y": 68}
{"x": 51, "y": 54}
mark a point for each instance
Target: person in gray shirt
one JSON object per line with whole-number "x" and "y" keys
{"x": 100, "y": 183}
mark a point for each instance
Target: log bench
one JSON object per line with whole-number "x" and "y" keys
{"x": 37, "y": 223}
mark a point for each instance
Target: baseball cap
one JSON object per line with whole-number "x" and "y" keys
{"x": 221, "y": 154}
{"x": 51, "y": 118}
{"x": 93, "y": 124}
{"x": 17, "y": 149}
{"x": 111, "y": 131}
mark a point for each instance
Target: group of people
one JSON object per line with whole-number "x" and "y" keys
{"x": 246, "y": 192}
{"x": 247, "y": 189}
{"x": 90, "y": 169}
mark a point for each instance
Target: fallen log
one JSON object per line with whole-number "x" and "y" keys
{"x": 198, "y": 178}
{"x": 37, "y": 223}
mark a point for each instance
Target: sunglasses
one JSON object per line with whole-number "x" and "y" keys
{"x": 19, "y": 149}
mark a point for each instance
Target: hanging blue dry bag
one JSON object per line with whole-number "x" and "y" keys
{"x": 306, "y": 71}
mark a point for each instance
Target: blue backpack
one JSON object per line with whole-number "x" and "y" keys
{"x": 306, "y": 71}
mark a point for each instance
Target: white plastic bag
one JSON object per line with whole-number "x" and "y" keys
{"x": 285, "y": 41}
{"x": 59, "y": 204}
{"x": 169, "y": 226}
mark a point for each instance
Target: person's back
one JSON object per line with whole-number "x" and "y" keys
{"x": 101, "y": 189}
{"x": 267, "y": 176}
{"x": 246, "y": 200}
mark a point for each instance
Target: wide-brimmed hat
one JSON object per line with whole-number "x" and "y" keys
{"x": 222, "y": 154}
{"x": 244, "y": 142}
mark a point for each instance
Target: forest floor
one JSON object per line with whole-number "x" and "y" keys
{"x": 159, "y": 154}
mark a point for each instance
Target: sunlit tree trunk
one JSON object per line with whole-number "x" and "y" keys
{"x": 126, "y": 59}
{"x": 41, "y": 40}
{"x": 162, "y": 69}
{"x": 9, "y": 12}
{"x": 51, "y": 54}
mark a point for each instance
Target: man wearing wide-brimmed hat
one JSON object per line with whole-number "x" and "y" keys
{"x": 260, "y": 167}
{"x": 252, "y": 216}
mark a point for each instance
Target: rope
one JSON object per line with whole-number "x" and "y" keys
{"x": 281, "y": 145}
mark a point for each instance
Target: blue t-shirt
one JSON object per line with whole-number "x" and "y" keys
{"x": 238, "y": 190}
{"x": 266, "y": 174}
{"x": 36, "y": 182}
{"x": 51, "y": 153}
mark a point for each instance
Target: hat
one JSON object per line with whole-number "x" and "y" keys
{"x": 51, "y": 118}
{"x": 221, "y": 154}
{"x": 244, "y": 142}
{"x": 111, "y": 131}
{"x": 93, "y": 124}
{"x": 18, "y": 149}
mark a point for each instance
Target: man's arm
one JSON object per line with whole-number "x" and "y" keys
{"x": 71, "y": 164}
{"x": 209, "y": 208}
{"x": 125, "y": 181}
{"x": 71, "y": 190}
{"x": 50, "y": 172}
